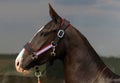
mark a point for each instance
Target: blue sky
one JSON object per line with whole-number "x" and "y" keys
{"x": 98, "y": 20}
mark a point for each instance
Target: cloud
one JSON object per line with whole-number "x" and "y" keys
{"x": 18, "y": 22}
{"x": 110, "y": 7}
{"x": 21, "y": 11}
{"x": 75, "y": 2}
{"x": 20, "y": 1}
{"x": 98, "y": 20}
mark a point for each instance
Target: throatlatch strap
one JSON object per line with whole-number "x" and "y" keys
{"x": 65, "y": 24}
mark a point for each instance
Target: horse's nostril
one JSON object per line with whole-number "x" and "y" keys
{"x": 17, "y": 63}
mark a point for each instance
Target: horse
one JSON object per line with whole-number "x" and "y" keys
{"x": 58, "y": 39}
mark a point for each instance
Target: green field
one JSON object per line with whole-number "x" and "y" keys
{"x": 7, "y": 70}
{"x": 113, "y": 64}
{"x": 7, "y": 64}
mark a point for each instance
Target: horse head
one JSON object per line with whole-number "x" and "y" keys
{"x": 46, "y": 43}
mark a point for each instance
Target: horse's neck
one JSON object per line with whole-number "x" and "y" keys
{"x": 79, "y": 68}
{"x": 82, "y": 62}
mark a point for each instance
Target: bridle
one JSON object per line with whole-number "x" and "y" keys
{"x": 34, "y": 54}
{"x": 60, "y": 34}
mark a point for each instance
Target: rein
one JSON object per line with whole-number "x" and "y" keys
{"x": 35, "y": 54}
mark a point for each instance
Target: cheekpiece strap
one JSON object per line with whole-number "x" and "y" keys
{"x": 61, "y": 31}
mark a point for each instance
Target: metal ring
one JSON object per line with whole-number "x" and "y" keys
{"x": 37, "y": 71}
{"x": 38, "y": 74}
{"x": 54, "y": 43}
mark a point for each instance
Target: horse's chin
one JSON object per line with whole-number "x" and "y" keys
{"x": 23, "y": 71}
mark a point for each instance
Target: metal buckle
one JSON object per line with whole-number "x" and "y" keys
{"x": 53, "y": 51}
{"x": 60, "y": 33}
{"x": 33, "y": 56}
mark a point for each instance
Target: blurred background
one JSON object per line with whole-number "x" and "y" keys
{"x": 98, "y": 20}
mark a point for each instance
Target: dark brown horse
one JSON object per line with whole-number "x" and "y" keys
{"x": 58, "y": 39}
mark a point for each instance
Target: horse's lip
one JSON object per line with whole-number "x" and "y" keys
{"x": 21, "y": 70}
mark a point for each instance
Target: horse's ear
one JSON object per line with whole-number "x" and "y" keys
{"x": 54, "y": 15}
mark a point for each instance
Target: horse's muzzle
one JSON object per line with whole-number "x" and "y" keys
{"x": 19, "y": 68}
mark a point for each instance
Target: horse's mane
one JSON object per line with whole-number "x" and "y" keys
{"x": 92, "y": 51}
{"x": 95, "y": 57}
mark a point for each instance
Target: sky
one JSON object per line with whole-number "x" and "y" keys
{"x": 98, "y": 20}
